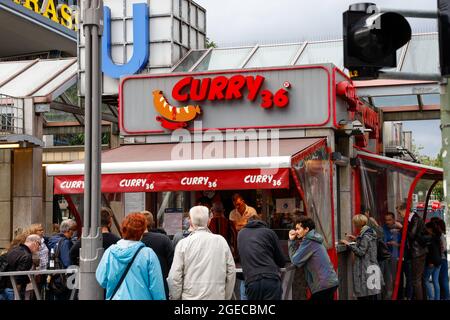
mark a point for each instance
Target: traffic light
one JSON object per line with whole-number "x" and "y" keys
{"x": 371, "y": 40}
{"x": 444, "y": 36}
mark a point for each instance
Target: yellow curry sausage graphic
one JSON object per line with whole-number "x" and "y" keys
{"x": 169, "y": 112}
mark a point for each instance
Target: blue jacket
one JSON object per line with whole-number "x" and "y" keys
{"x": 144, "y": 280}
{"x": 64, "y": 251}
{"x": 312, "y": 255}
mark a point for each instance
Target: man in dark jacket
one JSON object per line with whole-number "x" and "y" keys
{"x": 320, "y": 276}
{"x": 20, "y": 258}
{"x": 416, "y": 251}
{"x": 63, "y": 241}
{"x": 261, "y": 259}
{"x": 108, "y": 238}
{"x": 162, "y": 245}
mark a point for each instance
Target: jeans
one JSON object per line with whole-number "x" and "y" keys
{"x": 434, "y": 273}
{"x": 417, "y": 270}
{"x": 7, "y": 294}
{"x": 443, "y": 280}
{"x": 264, "y": 289}
{"x": 242, "y": 291}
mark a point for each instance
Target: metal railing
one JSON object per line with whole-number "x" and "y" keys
{"x": 287, "y": 276}
{"x": 31, "y": 275}
{"x": 11, "y": 116}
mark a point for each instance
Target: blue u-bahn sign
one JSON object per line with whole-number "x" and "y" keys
{"x": 141, "y": 32}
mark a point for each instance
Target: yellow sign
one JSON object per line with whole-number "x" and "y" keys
{"x": 61, "y": 14}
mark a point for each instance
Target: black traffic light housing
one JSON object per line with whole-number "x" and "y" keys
{"x": 444, "y": 36}
{"x": 371, "y": 40}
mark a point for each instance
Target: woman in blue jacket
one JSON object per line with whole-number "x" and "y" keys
{"x": 143, "y": 280}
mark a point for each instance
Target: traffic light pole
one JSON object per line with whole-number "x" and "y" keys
{"x": 445, "y": 129}
{"x": 91, "y": 239}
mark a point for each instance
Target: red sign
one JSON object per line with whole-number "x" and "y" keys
{"x": 180, "y": 181}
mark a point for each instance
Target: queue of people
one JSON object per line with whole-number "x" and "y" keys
{"x": 201, "y": 262}
{"x": 424, "y": 274}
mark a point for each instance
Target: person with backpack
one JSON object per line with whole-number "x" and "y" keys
{"x": 19, "y": 258}
{"x": 59, "y": 246}
{"x": 416, "y": 251}
{"x": 128, "y": 269}
{"x": 62, "y": 242}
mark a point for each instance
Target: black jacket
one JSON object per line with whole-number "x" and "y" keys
{"x": 163, "y": 247}
{"x": 434, "y": 251}
{"x": 417, "y": 240}
{"x": 19, "y": 258}
{"x": 108, "y": 239}
{"x": 260, "y": 252}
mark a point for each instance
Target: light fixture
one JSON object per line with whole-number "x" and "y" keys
{"x": 9, "y": 145}
{"x": 339, "y": 159}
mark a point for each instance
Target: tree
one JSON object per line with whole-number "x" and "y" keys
{"x": 210, "y": 44}
{"x": 423, "y": 186}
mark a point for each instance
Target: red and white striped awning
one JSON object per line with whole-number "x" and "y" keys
{"x": 201, "y": 166}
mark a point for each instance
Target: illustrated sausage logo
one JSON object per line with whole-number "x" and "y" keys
{"x": 173, "y": 117}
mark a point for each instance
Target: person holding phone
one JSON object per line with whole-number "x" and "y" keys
{"x": 320, "y": 275}
{"x": 366, "y": 280}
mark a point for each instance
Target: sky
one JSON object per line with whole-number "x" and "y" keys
{"x": 247, "y": 22}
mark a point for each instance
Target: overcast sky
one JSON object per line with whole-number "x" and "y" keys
{"x": 241, "y": 22}
{"x": 238, "y": 22}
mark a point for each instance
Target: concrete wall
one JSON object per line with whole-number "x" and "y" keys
{"x": 27, "y": 187}
{"x": 5, "y": 197}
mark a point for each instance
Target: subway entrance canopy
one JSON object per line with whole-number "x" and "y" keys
{"x": 30, "y": 29}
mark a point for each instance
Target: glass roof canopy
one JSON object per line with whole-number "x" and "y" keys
{"x": 420, "y": 55}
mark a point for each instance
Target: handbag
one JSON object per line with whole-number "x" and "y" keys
{"x": 124, "y": 274}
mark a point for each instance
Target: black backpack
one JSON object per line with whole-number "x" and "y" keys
{"x": 3, "y": 268}
{"x": 58, "y": 282}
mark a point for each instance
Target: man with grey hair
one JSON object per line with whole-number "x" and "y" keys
{"x": 20, "y": 258}
{"x": 61, "y": 243}
{"x": 203, "y": 267}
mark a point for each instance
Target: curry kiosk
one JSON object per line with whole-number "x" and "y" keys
{"x": 274, "y": 135}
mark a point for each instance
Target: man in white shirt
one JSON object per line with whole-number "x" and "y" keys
{"x": 203, "y": 267}
{"x": 241, "y": 212}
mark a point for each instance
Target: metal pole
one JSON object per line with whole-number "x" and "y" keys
{"x": 87, "y": 128}
{"x": 410, "y": 13}
{"x": 91, "y": 241}
{"x": 96, "y": 127}
{"x": 410, "y": 76}
{"x": 445, "y": 130}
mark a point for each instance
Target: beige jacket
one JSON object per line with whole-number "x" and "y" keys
{"x": 203, "y": 268}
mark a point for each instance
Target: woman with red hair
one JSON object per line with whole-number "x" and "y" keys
{"x": 129, "y": 270}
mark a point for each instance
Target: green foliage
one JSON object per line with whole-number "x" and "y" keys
{"x": 424, "y": 185}
{"x": 210, "y": 44}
